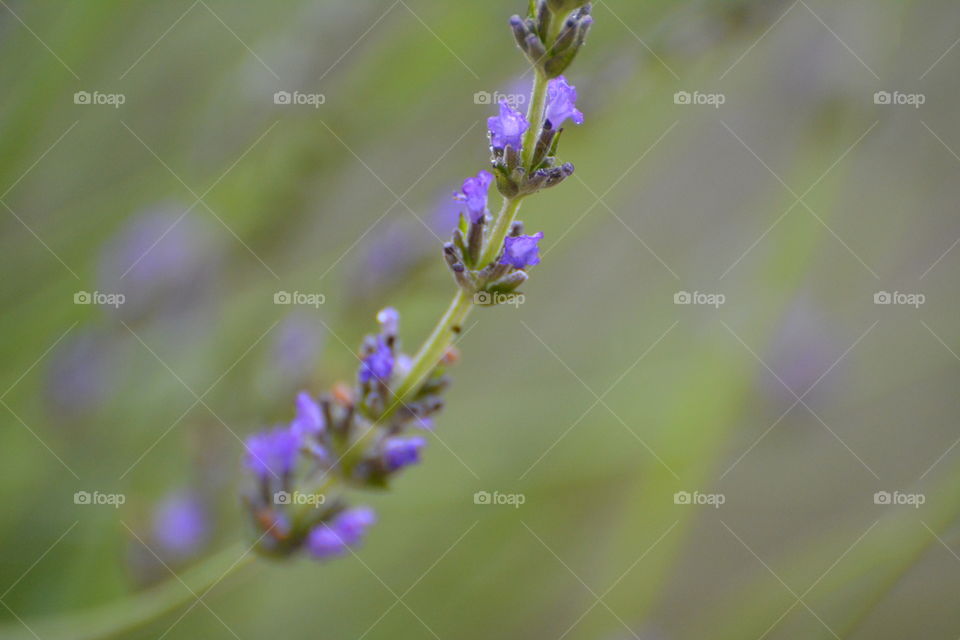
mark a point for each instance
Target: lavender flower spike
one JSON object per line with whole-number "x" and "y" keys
{"x": 507, "y": 129}
{"x": 561, "y": 103}
{"x": 273, "y": 452}
{"x": 521, "y": 252}
{"x": 309, "y": 418}
{"x": 345, "y": 530}
{"x": 474, "y": 194}
{"x": 402, "y": 452}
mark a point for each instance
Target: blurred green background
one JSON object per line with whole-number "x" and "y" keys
{"x": 793, "y": 403}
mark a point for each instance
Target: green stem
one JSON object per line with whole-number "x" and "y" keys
{"x": 538, "y": 100}
{"x": 132, "y": 612}
{"x": 433, "y": 348}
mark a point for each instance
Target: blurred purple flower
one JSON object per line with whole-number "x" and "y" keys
{"x": 389, "y": 319}
{"x": 561, "y": 103}
{"x": 802, "y": 349}
{"x": 80, "y": 373}
{"x": 161, "y": 259}
{"x": 296, "y": 347}
{"x": 378, "y": 365}
{"x": 180, "y": 524}
{"x": 345, "y": 530}
{"x": 273, "y": 452}
{"x": 397, "y": 247}
{"x": 474, "y": 194}
{"x": 508, "y": 127}
{"x": 309, "y": 419}
{"x": 402, "y": 452}
{"x": 522, "y": 251}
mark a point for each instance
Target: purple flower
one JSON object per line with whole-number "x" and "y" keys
{"x": 508, "y": 127}
{"x": 272, "y": 452}
{"x": 474, "y": 193}
{"x": 295, "y": 349}
{"x": 561, "y": 103}
{"x": 378, "y": 365}
{"x": 522, "y": 251}
{"x": 345, "y": 530}
{"x": 180, "y": 524}
{"x": 399, "y": 453}
{"x": 309, "y": 419}
{"x": 389, "y": 319}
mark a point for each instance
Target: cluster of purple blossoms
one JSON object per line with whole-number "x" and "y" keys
{"x": 351, "y": 437}
{"x": 355, "y": 437}
{"x": 465, "y": 255}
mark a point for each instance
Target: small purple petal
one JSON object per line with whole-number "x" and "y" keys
{"x": 474, "y": 194}
{"x": 389, "y": 319}
{"x": 345, "y": 530}
{"x": 309, "y": 418}
{"x": 522, "y": 251}
{"x": 399, "y": 453}
{"x": 561, "y": 103}
{"x": 377, "y": 365}
{"x": 272, "y": 452}
{"x": 508, "y": 127}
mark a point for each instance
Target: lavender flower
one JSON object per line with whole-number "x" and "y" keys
{"x": 332, "y": 538}
{"x": 522, "y": 251}
{"x": 377, "y": 365}
{"x": 357, "y": 437}
{"x": 474, "y": 194}
{"x": 507, "y": 129}
{"x": 309, "y": 418}
{"x": 180, "y": 524}
{"x": 273, "y": 452}
{"x": 389, "y": 319}
{"x": 561, "y": 103}
{"x": 402, "y": 452}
